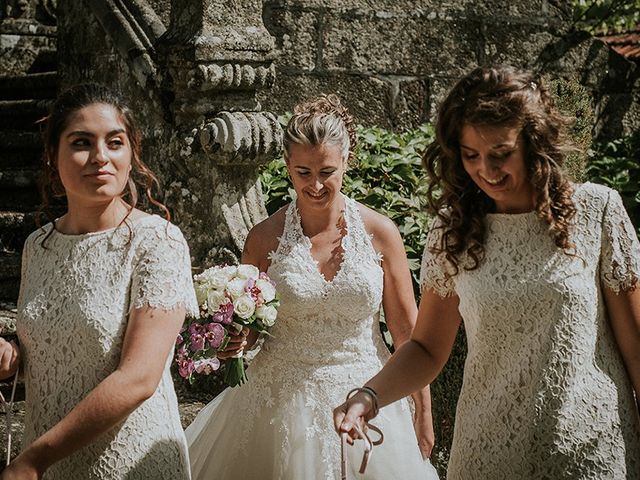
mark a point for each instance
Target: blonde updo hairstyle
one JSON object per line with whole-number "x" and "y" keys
{"x": 322, "y": 120}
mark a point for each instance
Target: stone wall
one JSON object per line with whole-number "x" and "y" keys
{"x": 179, "y": 66}
{"x": 394, "y": 60}
{"x": 27, "y": 36}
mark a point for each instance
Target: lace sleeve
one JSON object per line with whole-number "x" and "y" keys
{"x": 162, "y": 275}
{"x": 620, "y": 254}
{"x": 435, "y": 272}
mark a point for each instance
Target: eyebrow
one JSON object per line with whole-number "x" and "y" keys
{"x": 82, "y": 133}
{"x": 500, "y": 145}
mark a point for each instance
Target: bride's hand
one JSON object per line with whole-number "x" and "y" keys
{"x": 236, "y": 344}
{"x": 350, "y": 417}
{"x": 423, "y": 425}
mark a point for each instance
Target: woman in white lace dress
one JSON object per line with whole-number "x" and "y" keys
{"x": 103, "y": 295}
{"x": 544, "y": 273}
{"x": 335, "y": 263}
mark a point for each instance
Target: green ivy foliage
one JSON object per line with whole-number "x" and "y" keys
{"x": 600, "y": 17}
{"x": 616, "y": 164}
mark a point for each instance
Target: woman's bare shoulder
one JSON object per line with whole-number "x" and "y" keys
{"x": 263, "y": 238}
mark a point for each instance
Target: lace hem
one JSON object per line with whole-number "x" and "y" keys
{"x": 190, "y": 309}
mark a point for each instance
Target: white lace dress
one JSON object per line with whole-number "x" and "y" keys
{"x": 72, "y": 315}
{"x": 279, "y": 426}
{"x": 545, "y": 394}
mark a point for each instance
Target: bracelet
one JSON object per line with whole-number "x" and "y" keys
{"x": 372, "y": 394}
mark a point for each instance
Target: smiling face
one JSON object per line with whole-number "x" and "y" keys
{"x": 494, "y": 158}
{"x": 316, "y": 173}
{"x": 94, "y": 155}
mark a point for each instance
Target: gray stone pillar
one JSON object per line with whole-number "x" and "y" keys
{"x": 218, "y": 55}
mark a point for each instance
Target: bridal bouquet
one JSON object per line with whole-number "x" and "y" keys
{"x": 230, "y": 298}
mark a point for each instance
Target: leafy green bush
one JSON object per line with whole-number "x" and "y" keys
{"x": 616, "y": 164}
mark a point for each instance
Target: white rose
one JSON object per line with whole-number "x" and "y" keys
{"x": 230, "y": 271}
{"x": 247, "y": 271}
{"x": 267, "y": 314}
{"x": 244, "y": 307}
{"x": 218, "y": 280}
{"x": 267, "y": 289}
{"x": 236, "y": 287}
{"x": 215, "y": 298}
{"x": 201, "y": 292}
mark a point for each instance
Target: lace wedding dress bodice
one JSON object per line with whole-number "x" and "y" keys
{"x": 545, "y": 394}
{"x": 75, "y": 298}
{"x": 326, "y": 340}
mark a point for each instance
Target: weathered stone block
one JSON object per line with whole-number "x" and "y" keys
{"x": 410, "y": 103}
{"x": 616, "y": 114}
{"x": 438, "y": 89}
{"x": 367, "y": 97}
{"x": 535, "y": 9}
{"x": 592, "y": 62}
{"x": 513, "y": 43}
{"x": 296, "y": 33}
{"x": 19, "y": 54}
{"x": 404, "y": 44}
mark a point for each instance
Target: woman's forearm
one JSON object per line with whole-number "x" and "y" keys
{"x": 422, "y": 401}
{"x": 410, "y": 368}
{"x": 104, "y": 407}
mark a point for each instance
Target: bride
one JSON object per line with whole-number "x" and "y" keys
{"x": 335, "y": 263}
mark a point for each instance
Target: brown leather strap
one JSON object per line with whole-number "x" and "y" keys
{"x": 368, "y": 448}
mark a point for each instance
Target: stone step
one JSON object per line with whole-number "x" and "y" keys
{"x": 8, "y": 313}
{"x": 19, "y": 190}
{"x": 10, "y": 265}
{"x": 9, "y": 277}
{"x": 21, "y": 158}
{"x": 19, "y": 178}
{"x": 19, "y": 200}
{"x": 30, "y": 86}
{"x": 23, "y": 114}
{"x": 20, "y": 141}
{"x": 15, "y": 227}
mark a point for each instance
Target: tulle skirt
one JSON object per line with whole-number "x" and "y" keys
{"x": 243, "y": 435}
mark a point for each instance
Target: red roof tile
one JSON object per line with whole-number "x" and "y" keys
{"x": 626, "y": 44}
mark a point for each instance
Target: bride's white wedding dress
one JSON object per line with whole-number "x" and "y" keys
{"x": 326, "y": 341}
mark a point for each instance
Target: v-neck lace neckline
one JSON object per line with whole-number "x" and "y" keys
{"x": 309, "y": 245}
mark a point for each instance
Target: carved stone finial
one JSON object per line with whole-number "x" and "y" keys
{"x": 242, "y": 137}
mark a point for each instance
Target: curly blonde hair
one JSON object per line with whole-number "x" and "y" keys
{"x": 322, "y": 120}
{"x": 499, "y": 97}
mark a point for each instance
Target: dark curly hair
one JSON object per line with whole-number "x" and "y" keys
{"x": 322, "y": 120}
{"x": 68, "y": 103}
{"x": 497, "y": 97}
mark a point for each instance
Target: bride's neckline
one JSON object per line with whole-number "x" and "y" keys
{"x": 308, "y": 244}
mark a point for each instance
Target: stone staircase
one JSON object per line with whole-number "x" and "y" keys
{"x": 24, "y": 100}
